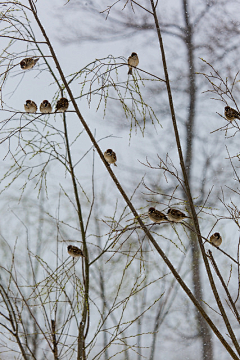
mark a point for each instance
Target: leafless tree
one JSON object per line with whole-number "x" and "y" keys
{"x": 195, "y": 30}
{"x": 63, "y": 295}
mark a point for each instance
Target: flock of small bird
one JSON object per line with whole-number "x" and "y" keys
{"x": 173, "y": 215}
{"x": 46, "y": 108}
{"x": 62, "y": 105}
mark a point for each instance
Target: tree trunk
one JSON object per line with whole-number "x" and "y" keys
{"x": 203, "y": 329}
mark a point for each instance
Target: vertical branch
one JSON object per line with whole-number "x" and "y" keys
{"x": 192, "y": 90}
{"x": 102, "y": 289}
{"x": 81, "y": 335}
{"x": 54, "y": 340}
{"x": 142, "y": 300}
{"x": 238, "y": 271}
{"x": 204, "y": 331}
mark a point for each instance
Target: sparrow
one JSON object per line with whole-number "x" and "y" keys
{"x": 231, "y": 113}
{"x": 28, "y": 63}
{"x": 176, "y": 215}
{"x": 74, "y": 251}
{"x": 62, "y": 105}
{"x": 216, "y": 239}
{"x": 30, "y": 106}
{"x": 132, "y": 61}
{"x": 156, "y": 216}
{"x": 110, "y": 156}
{"x": 45, "y": 107}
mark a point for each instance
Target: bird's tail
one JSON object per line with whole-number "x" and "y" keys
{"x": 36, "y": 60}
{"x": 130, "y": 71}
{"x": 115, "y": 164}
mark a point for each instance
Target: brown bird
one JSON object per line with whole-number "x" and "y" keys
{"x": 176, "y": 215}
{"x": 74, "y": 251}
{"x": 132, "y": 61}
{"x": 231, "y": 114}
{"x": 156, "y": 216}
{"x": 62, "y": 105}
{"x": 110, "y": 156}
{"x": 28, "y": 63}
{"x": 30, "y": 106}
{"x": 216, "y": 239}
{"x": 45, "y": 107}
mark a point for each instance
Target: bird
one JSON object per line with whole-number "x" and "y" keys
{"x": 30, "y": 106}
{"x": 28, "y": 63}
{"x": 231, "y": 114}
{"x": 216, "y": 239}
{"x": 176, "y": 215}
{"x": 156, "y": 216}
{"x": 46, "y": 107}
{"x": 132, "y": 61}
{"x": 110, "y": 157}
{"x": 74, "y": 251}
{"x": 62, "y": 105}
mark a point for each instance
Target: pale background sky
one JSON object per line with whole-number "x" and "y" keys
{"x": 73, "y": 57}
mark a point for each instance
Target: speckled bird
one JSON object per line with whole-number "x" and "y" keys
{"x": 30, "y": 106}
{"x": 110, "y": 156}
{"x": 176, "y": 215}
{"x": 216, "y": 239}
{"x": 74, "y": 251}
{"x": 62, "y": 105}
{"x": 231, "y": 114}
{"x": 45, "y": 107}
{"x": 156, "y": 215}
{"x": 132, "y": 61}
{"x": 28, "y": 63}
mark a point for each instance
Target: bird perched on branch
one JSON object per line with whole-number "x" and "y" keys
{"x": 46, "y": 107}
{"x": 132, "y": 61}
{"x": 28, "y": 63}
{"x": 30, "y": 106}
{"x": 110, "y": 156}
{"x": 176, "y": 215}
{"x": 74, "y": 251}
{"x": 62, "y": 105}
{"x": 231, "y": 114}
{"x": 216, "y": 239}
{"x": 156, "y": 215}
